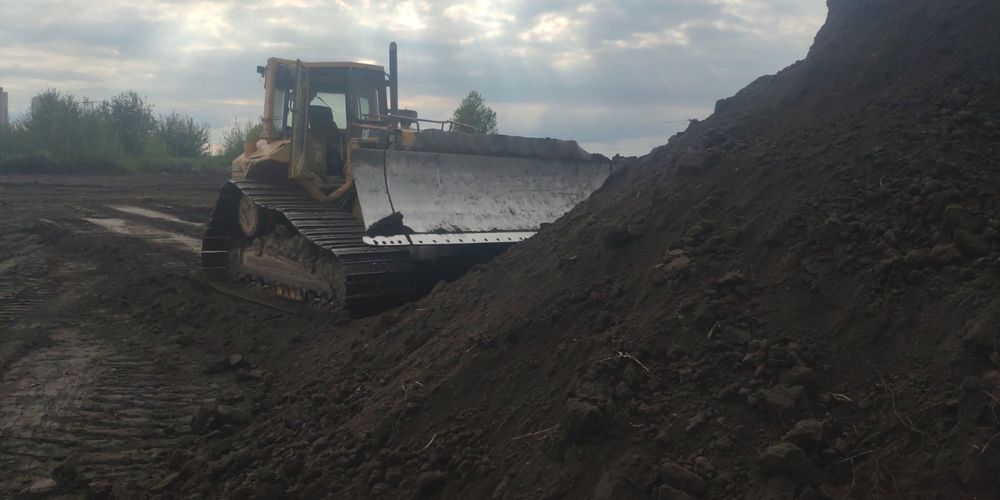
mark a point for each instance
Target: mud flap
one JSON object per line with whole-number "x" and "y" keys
{"x": 460, "y": 199}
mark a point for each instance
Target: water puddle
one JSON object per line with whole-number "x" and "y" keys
{"x": 151, "y": 214}
{"x": 142, "y": 231}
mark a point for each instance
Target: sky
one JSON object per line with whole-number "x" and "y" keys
{"x": 618, "y": 76}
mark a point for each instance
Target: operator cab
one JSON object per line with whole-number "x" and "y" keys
{"x": 323, "y": 108}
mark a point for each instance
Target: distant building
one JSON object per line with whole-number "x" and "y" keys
{"x": 4, "y": 111}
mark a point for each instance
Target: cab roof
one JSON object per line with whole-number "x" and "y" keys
{"x": 338, "y": 64}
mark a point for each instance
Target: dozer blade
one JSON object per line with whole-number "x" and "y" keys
{"x": 446, "y": 198}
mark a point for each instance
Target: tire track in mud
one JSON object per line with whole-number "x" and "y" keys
{"x": 115, "y": 406}
{"x": 95, "y": 389}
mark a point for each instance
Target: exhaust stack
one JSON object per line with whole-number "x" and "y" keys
{"x": 393, "y": 82}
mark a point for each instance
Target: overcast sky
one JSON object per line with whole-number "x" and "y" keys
{"x": 619, "y": 76}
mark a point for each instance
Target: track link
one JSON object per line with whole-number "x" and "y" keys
{"x": 372, "y": 276}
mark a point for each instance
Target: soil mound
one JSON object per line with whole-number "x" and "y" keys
{"x": 795, "y": 298}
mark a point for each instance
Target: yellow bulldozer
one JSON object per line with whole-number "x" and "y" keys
{"x": 349, "y": 200}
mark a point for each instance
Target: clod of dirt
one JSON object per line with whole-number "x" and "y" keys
{"x": 682, "y": 478}
{"x": 582, "y": 420}
{"x": 431, "y": 481}
{"x": 807, "y": 434}
{"x": 785, "y": 459}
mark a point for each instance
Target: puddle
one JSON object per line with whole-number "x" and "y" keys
{"x": 142, "y": 231}
{"x": 151, "y": 214}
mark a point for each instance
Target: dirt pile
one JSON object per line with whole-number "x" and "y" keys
{"x": 795, "y": 298}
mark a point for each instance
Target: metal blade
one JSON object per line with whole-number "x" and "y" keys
{"x": 440, "y": 193}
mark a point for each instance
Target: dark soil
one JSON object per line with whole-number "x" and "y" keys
{"x": 795, "y": 298}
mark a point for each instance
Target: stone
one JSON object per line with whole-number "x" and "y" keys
{"x": 804, "y": 376}
{"x": 695, "y": 422}
{"x": 43, "y": 487}
{"x": 784, "y": 459}
{"x": 682, "y": 478}
{"x": 807, "y": 434}
{"x": 582, "y": 420}
{"x": 677, "y": 264}
{"x": 732, "y": 278}
{"x": 782, "y": 399}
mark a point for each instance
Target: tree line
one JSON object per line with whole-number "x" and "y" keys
{"x": 62, "y": 133}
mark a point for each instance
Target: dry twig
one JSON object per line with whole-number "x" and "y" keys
{"x": 986, "y": 446}
{"x": 629, "y": 356}
{"x": 531, "y": 434}
{"x": 892, "y": 398}
{"x": 428, "y": 445}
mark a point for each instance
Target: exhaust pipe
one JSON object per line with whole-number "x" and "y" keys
{"x": 393, "y": 82}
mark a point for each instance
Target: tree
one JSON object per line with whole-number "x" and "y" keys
{"x": 474, "y": 111}
{"x": 181, "y": 136}
{"x": 133, "y": 120}
{"x": 236, "y": 135}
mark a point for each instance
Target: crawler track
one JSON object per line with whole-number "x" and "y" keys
{"x": 362, "y": 276}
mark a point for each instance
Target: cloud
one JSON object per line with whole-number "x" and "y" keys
{"x": 618, "y": 74}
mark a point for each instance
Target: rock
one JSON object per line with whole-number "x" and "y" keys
{"x": 782, "y": 399}
{"x": 970, "y": 244}
{"x": 807, "y": 434}
{"x": 677, "y": 264}
{"x": 235, "y": 360}
{"x": 43, "y": 487}
{"x": 785, "y": 459}
{"x": 695, "y": 422}
{"x": 582, "y": 420}
{"x": 682, "y": 478}
{"x": 804, "y": 376}
{"x": 732, "y": 278}
{"x": 431, "y": 481}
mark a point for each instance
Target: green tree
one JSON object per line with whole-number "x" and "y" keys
{"x": 181, "y": 136}
{"x": 474, "y": 111}
{"x": 133, "y": 120}
{"x": 236, "y": 135}
{"x": 53, "y": 123}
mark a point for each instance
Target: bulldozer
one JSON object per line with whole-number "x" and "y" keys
{"x": 348, "y": 200}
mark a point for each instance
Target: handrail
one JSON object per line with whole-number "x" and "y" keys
{"x": 452, "y": 123}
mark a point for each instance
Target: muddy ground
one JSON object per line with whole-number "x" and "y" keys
{"x": 95, "y": 390}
